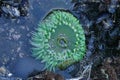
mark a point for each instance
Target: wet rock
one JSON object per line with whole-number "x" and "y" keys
{"x": 105, "y": 26}
{"x": 12, "y": 11}
{"x": 5, "y": 72}
{"x": 45, "y": 75}
{"x": 13, "y": 8}
{"x": 9, "y": 78}
{"x": 6, "y": 75}
{"x": 108, "y": 70}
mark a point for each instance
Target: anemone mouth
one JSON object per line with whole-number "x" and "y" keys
{"x": 62, "y": 39}
{"x": 59, "y": 40}
{"x": 62, "y": 42}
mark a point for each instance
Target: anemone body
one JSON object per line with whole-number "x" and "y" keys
{"x": 59, "y": 40}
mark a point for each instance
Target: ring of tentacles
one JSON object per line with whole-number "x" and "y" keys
{"x": 59, "y": 40}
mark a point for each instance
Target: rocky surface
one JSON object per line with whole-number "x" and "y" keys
{"x": 99, "y": 18}
{"x": 15, "y": 34}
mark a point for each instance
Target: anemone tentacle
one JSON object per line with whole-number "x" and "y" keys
{"x": 59, "y": 40}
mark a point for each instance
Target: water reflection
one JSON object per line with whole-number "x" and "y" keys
{"x": 15, "y": 52}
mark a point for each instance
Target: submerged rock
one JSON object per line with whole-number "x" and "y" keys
{"x": 14, "y": 8}
{"x": 45, "y": 75}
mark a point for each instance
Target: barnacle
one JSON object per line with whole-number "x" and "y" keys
{"x": 59, "y": 40}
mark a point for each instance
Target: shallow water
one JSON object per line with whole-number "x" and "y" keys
{"x": 15, "y": 52}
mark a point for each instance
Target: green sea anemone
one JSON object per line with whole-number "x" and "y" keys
{"x": 59, "y": 40}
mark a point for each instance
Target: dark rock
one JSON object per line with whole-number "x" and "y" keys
{"x": 14, "y": 8}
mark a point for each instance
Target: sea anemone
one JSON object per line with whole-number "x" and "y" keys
{"x": 59, "y": 40}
